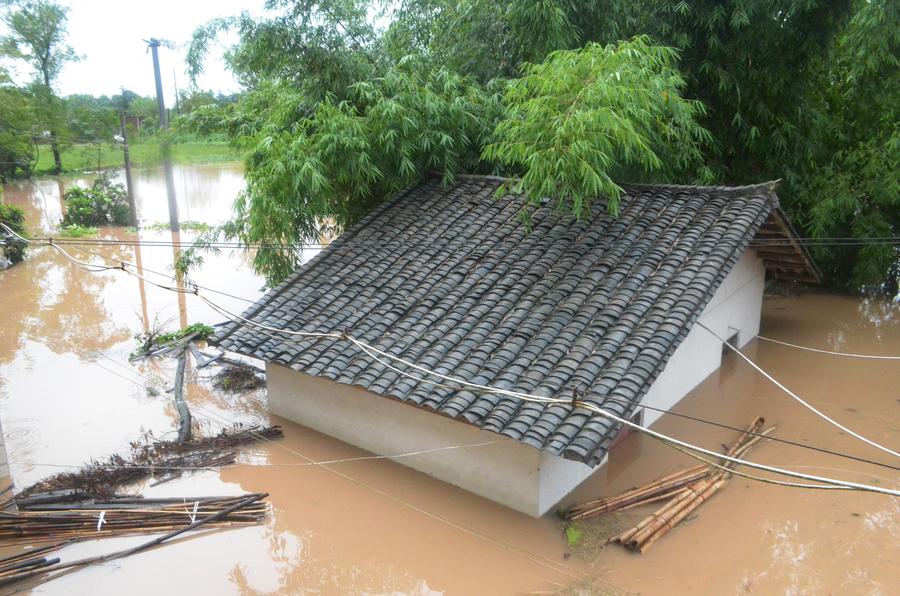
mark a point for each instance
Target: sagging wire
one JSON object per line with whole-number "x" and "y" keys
{"x": 584, "y": 405}
{"x": 265, "y": 465}
{"x": 664, "y": 438}
{"x": 796, "y": 397}
{"x": 821, "y": 351}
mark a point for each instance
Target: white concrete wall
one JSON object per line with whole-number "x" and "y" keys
{"x": 506, "y": 471}
{"x": 737, "y": 304}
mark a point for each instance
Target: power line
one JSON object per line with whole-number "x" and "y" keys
{"x": 166, "y": 275}
{"x": 574, "y": 403}
{"x": 770, "y": 438}
{"x": 475, "y": 245}
{"x": 806, "y": 404}
{"x": 359, "y": 344}
{"x": 266, "y": 465}
{"x": 40, "y": 136}
{"x": 829, "y": 352}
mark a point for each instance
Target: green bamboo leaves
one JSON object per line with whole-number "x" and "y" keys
{"x": 583, "y": 118}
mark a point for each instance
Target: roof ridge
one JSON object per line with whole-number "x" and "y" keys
{"x": 769, "y": 185}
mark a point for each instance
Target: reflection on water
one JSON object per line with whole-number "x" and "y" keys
{"x": 205, "y": 193}
{"x": 67, "y": 393}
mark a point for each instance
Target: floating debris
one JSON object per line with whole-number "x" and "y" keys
{"x": 50, "y": 569}
{"x": 684, "y": 491}
{"x": 236, "y": 378}
{"x": 85, "y": 505}
{"x": 100, "y": 479}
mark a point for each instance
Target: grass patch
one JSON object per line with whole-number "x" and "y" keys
{"x": 586, "y": 539}
{"x": 77, "y": 231}
{"x": 77, "y": 158}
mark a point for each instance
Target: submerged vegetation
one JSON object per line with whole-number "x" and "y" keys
{"x": 186, "y": 226}
{"x": 101, "y": 204}
{"x": 77, "y": 231}
{"x": 14, "y": 218}
{"x": 154, "y": 339}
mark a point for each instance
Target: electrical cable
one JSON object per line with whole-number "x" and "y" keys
{"x": 799, "y": 399}
{"x": 829, "y": 352}
{"x": 473, "y": 245}
{"x": 574, "y": 403}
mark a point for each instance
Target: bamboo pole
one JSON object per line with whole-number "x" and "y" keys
{"x": 686, "y": 500}
{"x": 130, "y": 551}
{"x": 667, "y": 484}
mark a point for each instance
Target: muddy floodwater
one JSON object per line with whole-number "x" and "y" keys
{"x": 69, "y": 394}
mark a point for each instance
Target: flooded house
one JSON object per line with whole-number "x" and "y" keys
{"x": 453, "y": 280}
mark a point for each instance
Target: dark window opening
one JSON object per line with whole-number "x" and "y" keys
{"x": 732, "y": 341}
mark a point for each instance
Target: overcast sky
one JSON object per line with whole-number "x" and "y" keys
{"x": 109, "y": 35}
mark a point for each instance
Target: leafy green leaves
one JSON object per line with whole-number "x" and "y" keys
{"x": 103, "y": 203}
{"x": 339, "y": 114}
{"x": 311, "y": 163}
{"x": 583, "y": 117}
{"x": 13, "y": 217}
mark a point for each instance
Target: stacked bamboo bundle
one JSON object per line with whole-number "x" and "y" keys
{"x": 124, "y": 516}
{"x": 35, "y": 565}
{"x": 655, "y": 491}
{"x": 28, "y": 561}
{"x": 684, "y": 491}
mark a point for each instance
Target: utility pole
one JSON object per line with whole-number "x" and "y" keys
{"x": 160, "y": 101}
{"x": 129, "y": 185}
{"x": 154, "y": 44}
{"x": 175, "y": 82}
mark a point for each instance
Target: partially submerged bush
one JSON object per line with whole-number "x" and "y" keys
{"x": 77, "y": 231}
{"x": 14, "y": 218}
{"x": 186, "y": 226}
{"x": 104, "y": 203}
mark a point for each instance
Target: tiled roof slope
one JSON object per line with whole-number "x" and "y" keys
{"x": 452, "y": 279}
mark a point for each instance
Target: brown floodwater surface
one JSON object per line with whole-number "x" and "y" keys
{"x": 69, "y": 394}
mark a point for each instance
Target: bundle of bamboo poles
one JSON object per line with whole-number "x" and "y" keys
{"x": 684, "y": 491}
{"x": 29, "y": 560}
{"x": 657, "y": 490}
{"x": 124, "y": 516}
{"x": 35, "y": 565}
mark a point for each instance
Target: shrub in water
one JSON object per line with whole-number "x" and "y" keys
{"x": 104, "y": 203}
{"x": 14, "y": 218}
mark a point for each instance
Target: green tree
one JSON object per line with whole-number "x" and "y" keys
{"x": 17, "y": 149}
{"x": 727, "y": 91}
{"x": 583, "y": 118}
{"x": 91, "y": 118}
{"x": 851, "y": 188}
{"x": 37, "y": 34}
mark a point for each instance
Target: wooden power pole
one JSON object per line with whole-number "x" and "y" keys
{"x": 129, "y": 184}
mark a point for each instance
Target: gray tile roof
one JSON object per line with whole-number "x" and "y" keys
{"x": 451, "y": 278}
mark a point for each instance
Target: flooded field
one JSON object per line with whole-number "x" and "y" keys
{"x": 68, "y": 394}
